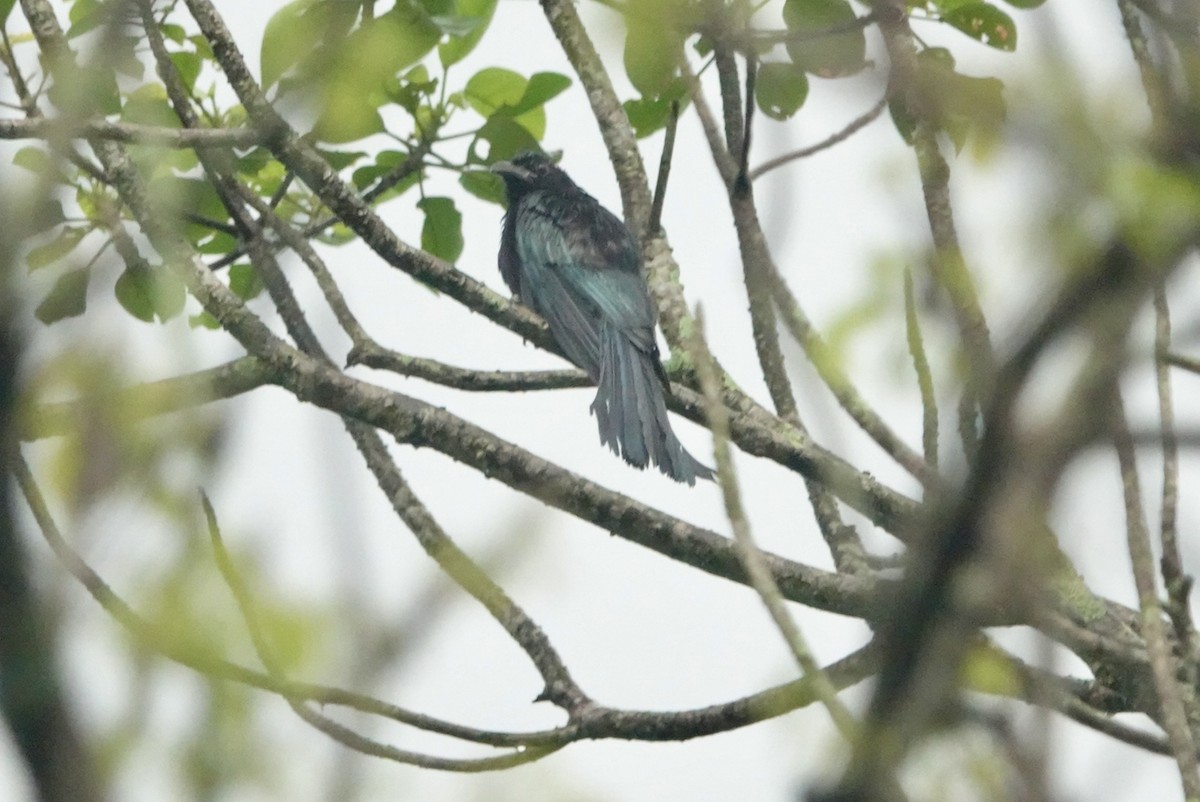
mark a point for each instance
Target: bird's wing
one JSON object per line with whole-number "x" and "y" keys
{"x": 581, "y": 266}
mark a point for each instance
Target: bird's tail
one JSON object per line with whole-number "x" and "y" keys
{"x": 631, "y": 410}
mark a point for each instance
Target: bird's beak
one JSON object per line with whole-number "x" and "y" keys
{"x": 506, "y": 168}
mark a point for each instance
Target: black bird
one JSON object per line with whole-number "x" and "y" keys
{"x": 577, "y": 265}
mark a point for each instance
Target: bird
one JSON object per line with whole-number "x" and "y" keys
{"x": 578, "y": 266}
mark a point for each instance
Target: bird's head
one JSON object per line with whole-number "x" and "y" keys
{"x": 531, "y": 170}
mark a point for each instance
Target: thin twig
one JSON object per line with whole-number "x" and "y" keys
{"x": 828, "y": 368}
{"x": 748, "y": 553}
{"x": 169, "y": 647}
{"x": 1176, "y": 581}
{"x": 338, "y": 732}
{"x": 1173, "y": 716}
{"x": 948, "y": 263}
{"x": 855, "y": 125}
{"x": 747, "y": 137}
{"x": 916, "y": 348}
{"x": 664, "y": 169}
{"x": 488, "y": 381}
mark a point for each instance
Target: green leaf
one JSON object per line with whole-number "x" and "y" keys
{"x": 479, "y": 13}
{"x": 38, "y": 162}
{"x": 360, "y": 67}
{"x": 148, "y": 105}
{"x": 6, "y": 7}
{"x": 244, "y": 281}
{"x": 648, "y": 115}
{"x": 147, "y": 293}
{"x": 188, "y": 66}
{"x": 195, "y": 195}
{"x": 957, "y": 104}
{"x": 497, "y": 93}
{"x": 67, "y": 298}
{"x": 385, "y": 163}
{"x": 484, "y": 185}
{"x": 123, "y": 56}
{"x": 133, "y": 294}
{"x": 85, "y": 15}
{"x": 542, "y": 86}
{"x": 986, "y": 23}
{"x": 291, "y": 33}
{"x": 204, "y": 321}
{"x": 780, "y": 90}
{"x": 84, "y": 92}
{"x": 442, "y": 233}
{"x": 341, "y": 159}
{"x": 652, "y": 53}
{"x": 494, "y": 87}
{"x": 1024, "y": 3}
{"x": 47, "y": 214}
{"x": 56, "y": 249}
{"x": 174, "y": 32}
{"x": 217, "y": 242}
{"x": 828, "y": 56}
{"x": 505, "y": 138}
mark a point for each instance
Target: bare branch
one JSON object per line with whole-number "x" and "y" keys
{"x": 150, "y": 399}
{"x": 130, "y": 133}
{"x": 488, "y": 381}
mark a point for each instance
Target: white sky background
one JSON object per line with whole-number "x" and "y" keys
{"x": 636, "y": 629}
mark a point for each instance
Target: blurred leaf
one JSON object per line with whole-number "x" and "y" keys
{"x": 123, "y": 56}
{"x": 360, "y": 67}
{"x": 291, "y": 33}
{"x": 959, "y": 105}
{"x": 174, "y": 32}
{"x": 652, "y": 53}
{"x": 67, "y": 298}
{"x": 479, "y": 14}
{"x": 1024, "y": 3}
{"x": 84, "y": 92}
{"x": 204, "y": 321}
{"x": 178, "y": 196}
{"x": 988, "y": 670}
{"x": 780, "y": 90}
{"x": 6, "y": 7}
{"x": 244, "y": 281}
{"x": 986, "y": 23}
{"x": 188, "y": 66}
{"x": 341, "y": 159}
{"x": 338, "y": 234}
{"x": 828, "y": 56}
{"x": 442, "y": 233}
{"x": 48, "y": 214}
{"x": 148, "y": 105}
{"x": 218, "y": 242}
{"x": 38, "y": 162}
{"x": 483, "y": 185}
{"x": 85, "y": 15}
{"x": 149, "y": 292}
{"x": 56, "y": 249}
